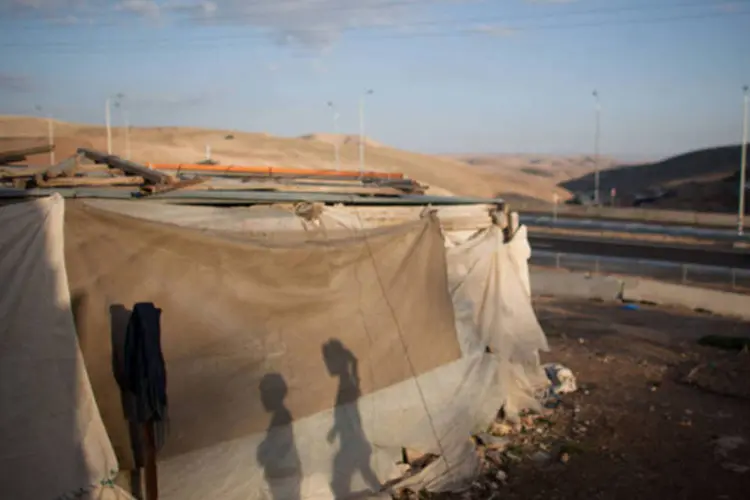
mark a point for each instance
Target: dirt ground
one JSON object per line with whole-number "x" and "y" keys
{"x": 641, "y": 430}
{"x": 637, "y": 427}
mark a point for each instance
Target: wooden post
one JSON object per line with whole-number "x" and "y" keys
{"x": 152, "y": 484}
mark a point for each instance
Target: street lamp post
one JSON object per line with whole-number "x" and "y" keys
{"x": 596, "y": 147}
{"x": 127, "y": 132}
{"x": 743, "y": 163}
{"x": 107, "y": 121}
{"x": 116, "y": 100}
{"x": 336, "y": 157}
{"x": 50, "y": 135}
{"x": 362, "y": 131}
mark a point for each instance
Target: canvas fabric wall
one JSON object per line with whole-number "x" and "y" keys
{"x": 54, "y": 444}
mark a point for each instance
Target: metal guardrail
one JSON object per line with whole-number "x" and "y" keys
{"x": 688, "y": 274}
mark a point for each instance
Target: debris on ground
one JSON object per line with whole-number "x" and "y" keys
{"x": 562, "y": 378}
{"x": 544, "y": 439}
{"x": 630, "y": 307}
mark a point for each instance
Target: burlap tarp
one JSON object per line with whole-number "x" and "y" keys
{"x": 238, "y": 313}
{"x": 53, "y": 442}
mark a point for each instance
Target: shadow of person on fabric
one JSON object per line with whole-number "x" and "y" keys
{"x": 354, "y": 450}
{"x": 278, "y": 454}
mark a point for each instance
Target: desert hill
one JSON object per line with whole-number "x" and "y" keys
{"x": 544, "y": 172}
{"x": 702, "y": 180}
{"x": 187, "y": 144}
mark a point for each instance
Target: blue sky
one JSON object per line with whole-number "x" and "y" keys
{"x": 448, "y": 75}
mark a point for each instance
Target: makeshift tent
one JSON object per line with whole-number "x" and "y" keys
{"x": 303, "y": 356}
{"x": 54, "y": 444}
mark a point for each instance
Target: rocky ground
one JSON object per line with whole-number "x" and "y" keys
{"x": 655, "y": 414}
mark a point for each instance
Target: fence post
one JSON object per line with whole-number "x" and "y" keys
{"x": 557, "y": 260}
{"x": 684, "y": 273}
{"x": 734, "y": 278}
{"x": 596, "y": 265}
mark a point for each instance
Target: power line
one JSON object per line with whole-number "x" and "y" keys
{"x": 220, "y": 41}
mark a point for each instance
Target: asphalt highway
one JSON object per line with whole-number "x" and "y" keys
{"x": 633, "y": 227}
{"x": 707, "y": 256}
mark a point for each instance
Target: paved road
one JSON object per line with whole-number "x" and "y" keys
{"x": 595, "y": 225}
{"x": 725, "y": 257}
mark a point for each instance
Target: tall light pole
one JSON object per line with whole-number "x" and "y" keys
{"x": 336, "y": 158}
{"x": 362, "y": 131}
{"x": 107, "y": 121}
{"x": 108, "y": 117}
{"x": 50, "y": 135}
{"x": 743, "y": 163}
{"x": 127, "y": 132}
{"x": 596, "y": 147}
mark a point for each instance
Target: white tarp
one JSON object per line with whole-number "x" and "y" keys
{"x": 489, "y": 286}
{"x": 53, "y": 441}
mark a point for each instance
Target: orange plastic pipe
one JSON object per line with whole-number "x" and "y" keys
{"x": 187, "y": 167}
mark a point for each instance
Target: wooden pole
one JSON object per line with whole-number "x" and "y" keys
{"x": 152, "y": 483}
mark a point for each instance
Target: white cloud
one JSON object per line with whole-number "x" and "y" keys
{"x": 494, "y": 30}
{"x": 146, "y": 8}
{"x": 15, "y": 82}
{"x": 306, "y": 22}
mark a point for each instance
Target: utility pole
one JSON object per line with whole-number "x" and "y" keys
{"x": 51, "y": 139}
{"x": 50, "y": 133}
{"x": 336, "y": 157}
{"x": 117, "y": 100}
{"x": 109, "y": 126}
{"x": 743, "y": 163}
{"x": 596, "y": 148}
{"x": 362, "y": 131}
{"x": 127, "y": 132}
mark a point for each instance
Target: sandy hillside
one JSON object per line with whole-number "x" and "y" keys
{"x": 544, "y": 172}
{"x": 184, "y": 144}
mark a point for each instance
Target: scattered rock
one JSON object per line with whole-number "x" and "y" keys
{"x": 501, "y": 429}
{"x": 739, "y": 469}
{"x": 495, "y": 457}
{"x": 541, "y": 457}
{"x": 564, "y": 458}
{"x": 501, "y": 476}
{"x": 493, "y": 442}
{"x": 725, "y": 444}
